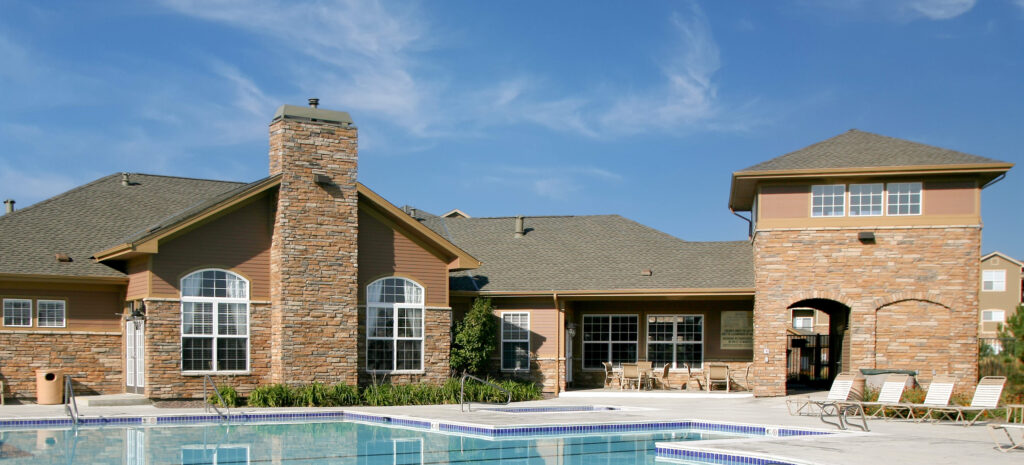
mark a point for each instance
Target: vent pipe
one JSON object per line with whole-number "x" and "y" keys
{"x": 9, "y": 204}
{"x": 314, "y": 102}
{"x": 126, "y": 179}
{"x": 519, "y": 226}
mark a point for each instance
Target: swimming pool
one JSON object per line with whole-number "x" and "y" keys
{"x": 332, "y": 442}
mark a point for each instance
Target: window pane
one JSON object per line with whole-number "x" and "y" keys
{"x": 690, "y": 354}
{"x": 624, "y": 328}
{"x": 690, "y": 329}
{"x": 17, "y": 312}
{"x": 214, "y": 283}
{"x": 904, "y": 198}
{"x": 595, "y": 328}
{"x": 828, "y": 200}
{"x": 232, "y": 320}
{"x": 623, "y": 353}
{"x": 197, "y": 318}
{"x": 380, "y": 322}
{"x": 659, "y": 328}
{"x": 380, "y": 355}
{"x": 196, "y": 354}
{"x": 410, "y": 322}
{"x": 865, "y": 199}
{"x": 594, "y": 354}
{"x": 515, "y": 356}
{"x": 515, "y": 326}
{"x": 659, "y": 354}
{"x": 409, "y": 355}
{"x": 231, "y": 353}
{"x": 51, "y": 313}
{"x": 395, "y": 290}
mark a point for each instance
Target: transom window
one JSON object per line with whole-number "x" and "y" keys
{"x": 993, "y": 280}
{"x": 997, "y": 316}
{"x": 828, "y": 200}
{"x": 866, "y": 199}
{"x": 675, "y": 340}
{"x": 904, "y": 198}
{"x": 609, "y": 338}
{"x": 214, "y": 322}
{"x": 394, "y": 326}
{"x": 17, "y": 312}
{"x": 515, "y": 341}
{"x": 50, "y": 313}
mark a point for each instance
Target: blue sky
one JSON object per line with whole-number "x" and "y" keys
{"x": 501, "y": 108}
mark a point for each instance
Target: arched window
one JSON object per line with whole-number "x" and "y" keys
{"x": 214, "y": 322}
{"x": 394, "y": 325}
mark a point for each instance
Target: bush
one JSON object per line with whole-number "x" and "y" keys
{"x": 341, "y": 395}
{"x": 228, "y": 393}
{"x": 311, "y": 395}
{"x": 384, "y": 395}
{"x": 274, "y": 395}
{"x": 475, "y": 338}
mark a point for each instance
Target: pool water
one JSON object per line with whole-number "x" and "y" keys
{"x": 339, "y": 442}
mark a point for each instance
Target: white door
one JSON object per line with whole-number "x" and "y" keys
{"x": 568, "y": 355}
{"x": 135, "y": 355}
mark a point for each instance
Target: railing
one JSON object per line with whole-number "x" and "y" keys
{"x": 207, "y": 381}
{"x": 807, "y": 359}
{"x": 70, "y": 402}
{"x": 462, "y": 391}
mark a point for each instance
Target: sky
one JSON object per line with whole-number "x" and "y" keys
{"x": 642, "y": 109}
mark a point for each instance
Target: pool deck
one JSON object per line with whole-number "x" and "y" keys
{"x": 888, "y": 442}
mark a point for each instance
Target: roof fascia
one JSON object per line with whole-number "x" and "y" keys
{"x": 149, "y": 244}
{"x": 460, "y": 259}
{"x": 683, "y": 292}
{"x": 63, "y": 279}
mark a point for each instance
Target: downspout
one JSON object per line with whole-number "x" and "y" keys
{"x": 750, "y": 224}
{"x": 560, "y": 347}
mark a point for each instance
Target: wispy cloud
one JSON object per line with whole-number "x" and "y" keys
{"x": 549, "y": 182}
{"x": 901, "y": 10}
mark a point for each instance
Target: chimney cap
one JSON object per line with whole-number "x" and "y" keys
{"x": 314, "y": 102}
{"x": 313, "y": 114}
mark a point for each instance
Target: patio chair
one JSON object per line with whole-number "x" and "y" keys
{"x": 610, "y": 375}
{"x": 663, "y": 379}
{"x": 839, "y": 392}
{"x": 690, "y": 376}
{"x": 1014, "y": 444}
{"x": 630, "y": 375}
{"x": 986, "y": 397}
{"x": 717, "y": 374}
{"x": 646, "y": 370}
{"x": 741, "y": 377}
{"x": 888, "y": 397}
{"x": 940, "y": 390}
{"x": 835, "y": 404}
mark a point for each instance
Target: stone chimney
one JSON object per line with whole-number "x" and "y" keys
{"x": 313, "y": 255}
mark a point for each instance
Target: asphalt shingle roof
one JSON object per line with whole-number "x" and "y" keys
{"x": 95, "y": 217}
{"x": 601, "y": 252}
{"x": 859, "y": 149}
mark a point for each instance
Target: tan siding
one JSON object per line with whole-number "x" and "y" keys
{"x": 543, "y": 323}
{"x": 86, "y": 309}
{"x": 994, "y": 300}
{"x": 785, "y": 202}
{"x": 138, "y": 278}
{"x": 384, "y": 251}
{"x": 950, "y": 198}
{"x": 238, "y": 241}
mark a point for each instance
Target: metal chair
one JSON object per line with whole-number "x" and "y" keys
{"x": 630, "y": 375}
{"x": 717, "y": 374}
{"x": 610, "y": 375}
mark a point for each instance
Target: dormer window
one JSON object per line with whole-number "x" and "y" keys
{"x": 904, "y": 198}
{"x": 828, "y": 200}
{"x": 866, "y": 199}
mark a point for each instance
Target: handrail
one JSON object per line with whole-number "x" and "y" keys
{"x": 207, "y": 380}
{"x": 70, "y": 401}
{"x": 462, "y": 391}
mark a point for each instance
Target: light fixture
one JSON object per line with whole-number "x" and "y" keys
{"x": 866, "y": 237}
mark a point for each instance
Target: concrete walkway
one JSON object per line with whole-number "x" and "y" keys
{"x": 898, "y": 442}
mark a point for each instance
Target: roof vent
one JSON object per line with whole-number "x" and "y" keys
{"x": 126, "y": 179}
{"x": 314, "y": 102}
{"x": 9, "y": 204}
{"x": 646, "y": 272}
{"x": 519, "y": 226}
{"x": 63, "y": 257}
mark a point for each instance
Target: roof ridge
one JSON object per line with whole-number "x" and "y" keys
{"x": 58, "y": 196}
{"x": 188, "y": 178}
{"x": 535, "y": 216}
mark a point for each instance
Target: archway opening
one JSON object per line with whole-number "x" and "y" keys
{"x": 818, "y": 343}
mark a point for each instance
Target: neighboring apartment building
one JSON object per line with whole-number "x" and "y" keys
{"x": 146, "y": 283}
{"x": 1001, "y": 291}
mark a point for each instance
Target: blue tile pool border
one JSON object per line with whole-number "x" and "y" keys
{"x": 718, "y": 457}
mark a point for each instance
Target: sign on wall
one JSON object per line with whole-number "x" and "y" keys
{"x": 738, "y": 330}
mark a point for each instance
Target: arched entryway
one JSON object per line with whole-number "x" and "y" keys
{"x": 817, "y": 352}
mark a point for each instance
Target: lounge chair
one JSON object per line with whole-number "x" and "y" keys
{"x": 717, "y": 374}
{"x": 986, "y": 397}
{"x": 610, "y": 375}
{"x": 837, "y": 403}
{"x": 839, "y": 392}
{"x": 1014, "y": 444}
{"x": 940, "y": 390}
{"x": 888, "y": 397}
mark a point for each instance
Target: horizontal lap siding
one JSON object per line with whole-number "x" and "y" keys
{"x": 543, "y": 323}
{"x": 238, "y": 241}
{"x": 384, "y": 251}
{"x": 86, "y": 309}
{"x": 138, "y": 278}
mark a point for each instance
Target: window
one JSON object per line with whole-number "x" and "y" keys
{"x": 609, "y": 338}
{"x": 827, "y": 200}
{"x": 515, "y": 341}
{"x": 993, "y": 316}
{"x": 866, "y": 199}
{"x": 214, "y": 322}
{"x": 904, "y": 198}
{"x": 50, "y": 313}
{"x": 993, "y": 280}
{"x": 803, "y": 319}
{"x": 17, "y": 312}
{"x": 394, "y": 325}
{"x": 675, "y": 340}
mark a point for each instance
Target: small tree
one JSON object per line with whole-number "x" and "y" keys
{"x": 475, "y": 338}
{"x": 1014, "y": 329}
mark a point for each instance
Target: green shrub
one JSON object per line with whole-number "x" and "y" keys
{"x": 311, "y": 395}
{"x": 341, "y": 395}
{"x": 475, "y": 339}
{"x": 229, "y": 394}
{"x": 383, "y": 395}
{"x": 274, "y": 395}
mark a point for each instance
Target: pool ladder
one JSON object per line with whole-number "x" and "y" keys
{"x": 208, "y": 381}
{"x": 70, "y": 402}
{"x": 462, "y": 391}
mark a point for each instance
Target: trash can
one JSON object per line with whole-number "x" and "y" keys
{"x": 49, "y": 387}
{"x": 857, "y": 390}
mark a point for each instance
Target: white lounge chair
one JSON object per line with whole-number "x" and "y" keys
{"x": 840, "y": 391}
{"x": 888, "y": 397}
{"x": 1014, "y": 444}
{"x": 940, "y": 390}
{"x": 986, "y": 397}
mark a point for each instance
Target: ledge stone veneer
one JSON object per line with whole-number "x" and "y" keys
{"x": 913, "y": 296}
{"x": 93, "y": 359}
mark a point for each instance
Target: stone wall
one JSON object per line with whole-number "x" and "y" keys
{"x": 313, "y": 262}
{"x": 912, "y": 294}
{"x": 93, "y": 359}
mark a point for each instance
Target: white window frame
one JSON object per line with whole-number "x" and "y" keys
{"x": 996, "y": 277}
{"x": 609, "y": 342}
{"x": 526, "y": 340}
{"x": 371, "y": 308}
{"x": 63, "y": 323}
{"x": 889, "y": 197}
{"x": 215, "y": 322}
{"x": 809, "y": 319}
{"x": 675, "y": 336}
{"x": 993, "y": 312}
{"x": 29, "y": 319}
{"x": 841, "y": 196}
{"x": 860, "y": 197}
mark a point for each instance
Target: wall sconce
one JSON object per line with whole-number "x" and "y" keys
{"x": 866, "y": 237}
{"x": 322, "y": 179}
{"x": 571, "y": 329}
